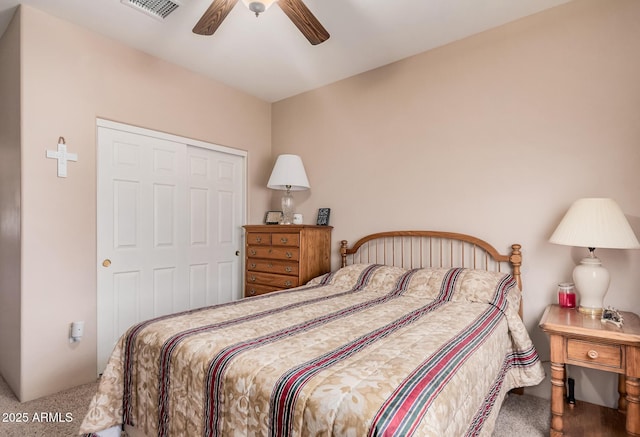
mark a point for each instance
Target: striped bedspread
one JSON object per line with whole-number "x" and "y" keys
{"x": 368, "y": 350}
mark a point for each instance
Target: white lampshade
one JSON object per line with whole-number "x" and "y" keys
{"x": 594, "y": 223}
{"x": 288, "y": 174}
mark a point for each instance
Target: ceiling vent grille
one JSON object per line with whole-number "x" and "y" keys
{"x": 159, "y": 9}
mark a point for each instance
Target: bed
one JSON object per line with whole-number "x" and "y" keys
{"x": 418, "y": 333}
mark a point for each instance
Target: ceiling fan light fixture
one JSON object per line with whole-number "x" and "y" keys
{"x": 258, "y": 6}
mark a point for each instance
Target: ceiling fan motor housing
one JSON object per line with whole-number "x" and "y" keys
{"x": 257, "y": 7}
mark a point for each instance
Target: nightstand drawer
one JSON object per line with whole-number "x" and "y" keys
{"x": 273, "y": 252}
{"x": 268, "y": 266}
{"x": 286, "y": 240}
{"x": 596, "y": 355}
{"x": 280, "y": 281}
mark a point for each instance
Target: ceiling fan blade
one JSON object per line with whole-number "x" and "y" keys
{"x": 212, "y": 18}
{"x": 304, "y": 20}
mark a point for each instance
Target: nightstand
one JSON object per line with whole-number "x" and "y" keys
{"x": 582, "y": 340}
{"x": 284, "y": 256}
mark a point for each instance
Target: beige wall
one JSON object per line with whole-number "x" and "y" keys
{"x": 10, "y": 203}
{"x": 495, "y": 136}
{"x": 70, "y": 77}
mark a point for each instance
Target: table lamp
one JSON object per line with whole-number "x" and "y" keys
{"x": 593, "y": 223}
{"x": 288, "y": 174}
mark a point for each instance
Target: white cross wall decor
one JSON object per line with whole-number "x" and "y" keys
{"x": 62, "y": 156}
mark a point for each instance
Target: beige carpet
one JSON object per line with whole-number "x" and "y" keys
{"x": 61, "y": 414}
{"x": 58, "y": 415}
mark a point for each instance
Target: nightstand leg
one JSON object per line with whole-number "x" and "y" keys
{"x": 622, "y": 392}
{"x": 557, "y": 398}
{"x": 633, "y": 406}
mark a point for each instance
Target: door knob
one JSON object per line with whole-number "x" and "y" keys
{"x": 106, "y": 262}
{"x": 237, "y": 253}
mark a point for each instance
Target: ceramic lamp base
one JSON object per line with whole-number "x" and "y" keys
{"x": 592, "y": 282}
{"x": 593, "y": 312}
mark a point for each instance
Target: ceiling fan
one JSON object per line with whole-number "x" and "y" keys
{"x": 297, "y": 12}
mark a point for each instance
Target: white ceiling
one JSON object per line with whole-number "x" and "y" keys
{"x": 268, "y": 57}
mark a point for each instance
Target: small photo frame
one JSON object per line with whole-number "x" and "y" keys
{"x": 611, "y": 315}
{"x": 323, "y": 216}
{"x": 273, "y": 217}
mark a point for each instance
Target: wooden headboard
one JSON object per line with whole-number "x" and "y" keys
{"x": 415, "y": 249}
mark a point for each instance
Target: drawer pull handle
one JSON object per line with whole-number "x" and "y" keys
{"x": 287, "y": 283}
{"x": 258, "y": 239}
{"x": 284, "y": 240}
{"x": 252, "y": 251}
{"x": 252, "y": 279}
{"x": 289, "y": 254}
{"x": 288, "y": 269}
{"x": 592, "y": 354}
{"x": 253, "y": 265}
{"x": 252, "y": 292}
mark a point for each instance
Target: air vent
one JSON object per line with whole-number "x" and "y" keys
{"x": 159, "y": 9}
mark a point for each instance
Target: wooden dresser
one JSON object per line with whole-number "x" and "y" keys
{"x": 284, "y": 256}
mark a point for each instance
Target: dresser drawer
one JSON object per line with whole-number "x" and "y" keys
{"x": 255, "y": 238}
{"x": 595, "y": 355}
{"x": 268, "y": 266}
{"x": 258, "y": 289}
{"x": 281, "y": 239}
{"x": 280, "y": 281}
{"x": 274, "y": 252}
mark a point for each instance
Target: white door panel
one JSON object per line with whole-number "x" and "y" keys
{"x": 169, "y": 221}
{"x": 215, "y": 182}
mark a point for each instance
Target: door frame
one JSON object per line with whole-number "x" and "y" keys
{"x": 100, "y": 122}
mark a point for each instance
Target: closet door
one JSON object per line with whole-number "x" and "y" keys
{"x": 215, "y": 214}
{"x": 169, "y": 222}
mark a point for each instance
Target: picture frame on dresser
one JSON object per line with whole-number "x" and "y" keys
{"x": 273, "y": 218}
{"x": 323, "y": 216}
